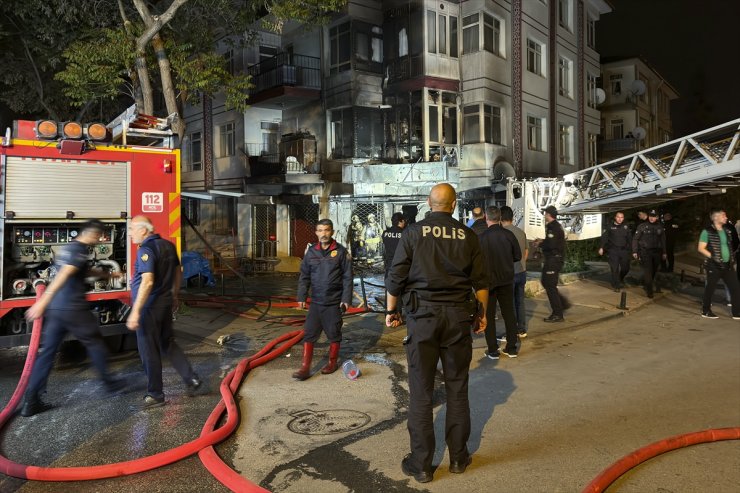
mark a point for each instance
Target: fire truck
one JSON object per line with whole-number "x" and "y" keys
{"x": 54, "y": 176}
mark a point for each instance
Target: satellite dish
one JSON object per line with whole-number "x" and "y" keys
{"x": 639, "y": 133}
{"x": 600, "y": 95}
{"x": 638, "y": 87}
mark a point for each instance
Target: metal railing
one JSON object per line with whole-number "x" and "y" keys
{"x": 286, "y": 69}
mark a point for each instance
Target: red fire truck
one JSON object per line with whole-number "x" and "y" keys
{"x": 55, "y": 176}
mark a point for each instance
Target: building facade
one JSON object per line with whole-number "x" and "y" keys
{"x": 636, "y": 111}
{"x": 388, "y": 99}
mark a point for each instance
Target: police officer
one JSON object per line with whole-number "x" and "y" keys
{"x": 391, "y": 237}
{"x": 648, "y": 245}
{"x": 437, "y": 266}
{"x": 154, "y": 289}
{"x": 616, "y": 240}
{"x": 327, "y": 270}
{"x": 66, "y": 309}
{"x": 553, "y": 250}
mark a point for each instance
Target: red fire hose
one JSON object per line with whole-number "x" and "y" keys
{"x": 613, "y": 472}
{"x": 202, "y": 445}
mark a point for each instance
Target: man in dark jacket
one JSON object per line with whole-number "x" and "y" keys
{"x": 616, "y": 242}
{"x": 553, "y": 250}
{"x": 500, "y": 250}
{"x": 391, "y": 237}
{"x": 648, "y": 245}
{"x": 327, "y": 270}
{"x": 479, "y": 221}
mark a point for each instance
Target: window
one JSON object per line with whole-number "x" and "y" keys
{"x": 565, "y": 77}
{"x": 536, "y": 133}
{"x": 229, "y": 61}
{"x": 368, "y": 47}
{"x": 227, "y": 140}
{"x": 453, "y": 36}
{"x": 442, "y": 32}
{"x": 492, "y": 124}
{"x": 471, "y": 124}
{"x": 534, "y": 57}
{"x": 565, "y": 143}
{"x": 267, "y": 52}
{"x": 195, "y": 150}
{"x": 491, "y": 34}
{"x": 225, "y": 215}
{"x": 191, "y": 209}
{"x": 403, "y": 43}
{"x": 617, "y": 128}
{"x": 615, "y": 81}
{"x": 591, "y": 90}
{"x": 340, "y": 48}
{"x": 471, "y": 33}
{"x": 270, "y": 131}
{"x": 591, "y": 32}
{"x": 592, "y": 147}
{"x": 565, "y": 14}
{"x": 431, "y": 31}
{"x": 665, "y": 135}
{"x": 341, "y": 133}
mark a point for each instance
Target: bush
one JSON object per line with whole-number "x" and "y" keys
{"x": 578, "y": 252}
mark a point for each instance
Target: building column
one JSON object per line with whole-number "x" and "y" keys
{"x": 282, "y": 229}
{"x": 580, "y": 140}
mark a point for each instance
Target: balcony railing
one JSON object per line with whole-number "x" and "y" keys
{"x": 406, "y": 67}
{"x": 286, "y": 69}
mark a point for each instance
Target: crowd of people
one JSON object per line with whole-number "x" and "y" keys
{"x": 445, "y": 279}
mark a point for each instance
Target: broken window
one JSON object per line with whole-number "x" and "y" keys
{"x": 342, "y": 125}
{"x": 369, "y": 133}
{"x": 368, "y": 46}
{"x": 340, "y": 48}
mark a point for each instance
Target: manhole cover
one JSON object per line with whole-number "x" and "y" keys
{"x": 329, "y": 422}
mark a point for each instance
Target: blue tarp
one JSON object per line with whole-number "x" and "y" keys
{"x": 193, "y": 263}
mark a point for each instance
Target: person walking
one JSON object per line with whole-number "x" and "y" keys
{"x": 479, "y": 224}
{"x": 154, "y": 289}
{"x": 476, "y": 214}
{"x": 616, "y": 242}
{"x": 391, "y": 237}
{"x": 501, "y": 251}
{"x": 671, "y": 234}
{"x": 648, "y": 245}
{"x": 65, "y": 309}
{"x": 437, "y": 267}
{"x": 520, "y": 269}
{"x": 553, "y": 251}
{"x": 715, "y": 244}
{"x": 326, "y": 270}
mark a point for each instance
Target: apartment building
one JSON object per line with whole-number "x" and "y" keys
{"x": 636, "y": 111}
{"x": 388, "y": 99}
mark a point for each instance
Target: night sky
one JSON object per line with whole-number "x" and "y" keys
{"x": 693, "y": 44}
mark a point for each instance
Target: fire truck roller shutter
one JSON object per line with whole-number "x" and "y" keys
{"x": 48, "y": 188}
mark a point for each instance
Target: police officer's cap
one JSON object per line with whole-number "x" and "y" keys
{"x": 653, "y": 212}
{"x": 550, "y": 209}
{"x": 93, "y": 224}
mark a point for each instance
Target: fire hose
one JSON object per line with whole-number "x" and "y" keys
{"x": 203, "y": 446}
{"x": 633, "y": 459}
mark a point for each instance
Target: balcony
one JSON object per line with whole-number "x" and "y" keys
{"x": 614, "y": 148}
{"x": 285, "y": 80}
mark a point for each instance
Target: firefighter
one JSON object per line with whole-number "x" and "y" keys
{"x": 616, "y": 241}
{"x": 65, "y": 308}
{"x": 327, "y": 270}
{"x": 553, "y": 250}
{"x": 154, "y": 289}
{"x": 648, "y": 245}
{"x": 437, "y": 266}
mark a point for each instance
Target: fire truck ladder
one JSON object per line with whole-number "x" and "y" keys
{"x": 704, "y": 162}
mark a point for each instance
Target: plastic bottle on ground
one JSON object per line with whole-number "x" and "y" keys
{"x": 350, "y": 370}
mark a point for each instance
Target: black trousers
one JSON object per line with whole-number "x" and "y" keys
{"x": 438, "y": 333}
{"x": 727, "y": 274}
{"x": 650, "y": 259}
{"x": 84, "y": 326}
{"x": 323, "y": 317}
{"x": 155, "y": 337}
{"x": 619, "y": 264}
{"x": 551, "y": 268}
{"x": 670, "y": 257}
{"x": 505, "y": 296}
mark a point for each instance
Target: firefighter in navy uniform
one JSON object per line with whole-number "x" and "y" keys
{"x": 616, "y": 241}
{"x": 437, "y": 267}
{"x": 648, "y": 245}
{"x": 327, "y": 270}
{"x": 553, "y": 250}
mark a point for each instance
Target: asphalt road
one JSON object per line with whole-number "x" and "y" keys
{"x": 574, "y": 401}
